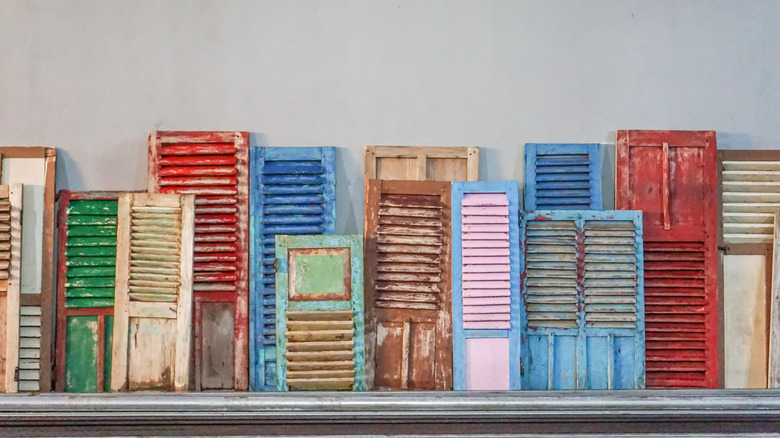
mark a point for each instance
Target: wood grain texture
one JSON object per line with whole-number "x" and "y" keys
{"x": 774, "y": 322}
{"x": 422, "y": 163}
{"x": 10, "y": 275}
{"x": 563, "y": 176}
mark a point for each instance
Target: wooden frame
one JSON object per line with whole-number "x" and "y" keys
{"x": 475, "y": 280}
{"x": 570, "y": 186}
{"x": 11, "y": 200}
{"x": 144, "y": 254}
{"x": 422, "y": 163}
{"x": 213, "y": 166}
{"x": 45, "y": 299}
{"x": 320, "y": 319}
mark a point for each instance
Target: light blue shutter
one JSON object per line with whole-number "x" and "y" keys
{"x": 563, "y": 176}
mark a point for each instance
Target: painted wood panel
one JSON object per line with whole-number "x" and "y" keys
{"x": 153, "y": 294}
{"x": 486, "y": 285}
{"x": 583, "y": 302}
{"x": 10, "y": 285}
{"x": 293, "y": 191}
{"x": 563, "y": 176}
{"x": 671, "y": 177}
{"x": 408, "y": 284}
{"x": 213, "y": 166}
{"x": 320, "y": 338}
{"x": 34, "y": 167}
{"x": 422, "y": 163}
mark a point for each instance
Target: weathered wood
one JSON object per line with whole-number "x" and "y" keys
{"x": 422, "y": 163}
{"x": 11, "y": 197}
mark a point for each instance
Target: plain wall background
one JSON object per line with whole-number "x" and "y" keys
{"x": 93, "y": 77}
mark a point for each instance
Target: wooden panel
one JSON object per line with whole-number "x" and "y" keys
{"x": 671, "y": 177}
{"x": 563, "y": 176}
{"x": 153, "y": 298}
{"x": 408, "y": 284}
{"x": 422, "y": 163}
{"x": 292, "y": 192}
{"x": 34, "y": 167}
{"x": 486, "y": 285}
{"x": 320, "y": 340}
{"x": 583, "y": 301}
{"x": 10, "y": 270}
{"x": 216, "y": 325}
{"x": 213, "y": 166}
{"x": 774, "y": 321}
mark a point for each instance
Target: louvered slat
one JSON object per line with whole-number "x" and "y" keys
{"x": 562, "y": 176}
{"x": 320, "y": 350}
{"x": 751, "y": 195}
{"x": 155, "y": 243}
{"x": 13, "y": 326}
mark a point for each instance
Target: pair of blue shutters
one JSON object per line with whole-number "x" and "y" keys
{"x": 292, "y": 192}
{"x": 563, "y": 176}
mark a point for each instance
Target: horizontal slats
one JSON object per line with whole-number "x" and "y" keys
{"x": 563, "y": 181}
{"x": 154, "y": 254}
{"x": 319, "y": 350}
{"x": 751, "y": 196}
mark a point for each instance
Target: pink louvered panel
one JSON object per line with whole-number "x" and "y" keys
{"x": 485, "y": 219}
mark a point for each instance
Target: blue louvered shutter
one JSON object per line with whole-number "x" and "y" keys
{"x": 563, "y": 176}
{"x": 292, "y": 192}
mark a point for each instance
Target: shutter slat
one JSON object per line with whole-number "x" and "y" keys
{"x": 562, "y": 176}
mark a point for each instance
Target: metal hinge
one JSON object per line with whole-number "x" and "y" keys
{"x": 16, "y": 374}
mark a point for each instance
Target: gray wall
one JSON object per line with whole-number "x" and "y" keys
{"x": 93, "y": 77}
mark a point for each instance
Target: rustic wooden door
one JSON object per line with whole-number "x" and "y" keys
{"x": 582, "y": 313}
{"x": 10, "y": 270}
{"x": 671, "y": 177}
{"x": 422, "y": 163}
{"x": 153, "y": 295}
{"x": 213, "y": 166}
{"x": 320, "y": 340}
{"x": 293, "y": 191}
{"x": 563, "y": 176}
{"x": 408, "y": 284}
{"x": 486, "y": 285}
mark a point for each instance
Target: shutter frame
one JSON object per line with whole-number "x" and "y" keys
{"x": 12, "y": 193}
{"x": 455, "y": 163}
{"x": 595, "y": 157}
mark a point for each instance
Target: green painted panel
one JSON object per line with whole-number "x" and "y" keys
{"x": 108, "y": 347}
{"x": 81, "y": 354}
{"x": 91, "y": 241}
{"x": 88, "y": 271}
{"x": 89, "y": 282}
{"x": 93, "y": 207}
{"x": 92, "y": 220}
{"x": 89, "y": 302}
{"x": 319, "y": 274}
{"x": 90, "y": 292}
{"x": 87, "y": 231}
{"x": 108, "y": 252}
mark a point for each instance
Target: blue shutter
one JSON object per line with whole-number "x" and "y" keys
{"x": 563, "y": 176}
{"x": 480, "y": 308}
{"x": 583, "y": 300}
{"x": 292, "y": 191}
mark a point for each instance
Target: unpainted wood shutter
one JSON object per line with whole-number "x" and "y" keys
{"x": 408, "y": 283}
{"x": 563, "y": 176}
{"x": 320, "y": 336}
{"x": 213, "y": 166}
{"x": 422, "y": 163}
{"x": 582, "y": 290}
{"x": 153, "y": 310}
{"x": 292, "y": 192}
{"x": 10, "y": 267}
{"x": 486, "y": 285}
{"x": 671, "y": 177}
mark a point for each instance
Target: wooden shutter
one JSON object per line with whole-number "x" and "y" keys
{"x": 214, "y": 167}
{"x": 34, "y": 168}
{"x": 422, "y": 163}
{"x": 408, "y": 284}
{"x": 292, "y": 192}
{"x": 563, "y": 176}
{"x": 10, "y": 267}
{"x": 583, "y": 325}
{"x": 153, "y": 295}
{"x": 671, "y": 177}
{"x": 86, "y": 259}
{"x": 486, "y": 285}
{"x": 320, "y": 340}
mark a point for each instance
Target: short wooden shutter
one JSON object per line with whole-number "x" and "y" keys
{"x": 671, "y": 177}
{"x": 422, "y": 163}
{"x": 583, "y": 325}
{"x": 563, "y": 176}
{"x": 153, "y": 296}
{"x": 408, "y": 284}
{"x": 214, "y": 166}
{"x": 293, "y": 191}
{"x": 320, "y": 340}
{"x": 486, "y": 285}
{"x": 86, "y": 259}
{"x": 10, "y": 267}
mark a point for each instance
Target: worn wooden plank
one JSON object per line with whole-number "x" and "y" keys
{"x": 422, "y": 163}
{"x": 10, "y": 299}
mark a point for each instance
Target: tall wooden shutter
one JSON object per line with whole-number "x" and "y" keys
{"x": 422, "y": 163}
{"x": 85, "y": 290}
{"x": 10, "y": 269}
{"x": 563, "y": 176}
{"x": 213, "y": 166}
{"x": 34, "y": 167}
{"x": 671, "y": 177}
{"x": 320, "y": 340}
{"x": 486, "y": 285}
{"x": 583, "y": 325}
{"x": 153, "y": 296}
{"x": 293, "y": 191}
{"x": 408, "y": 284}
